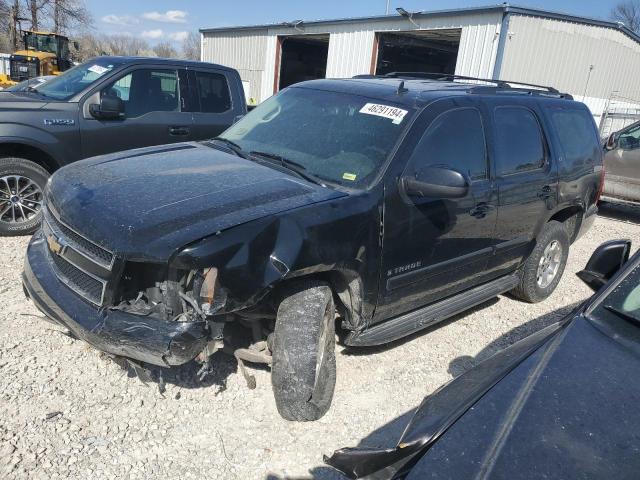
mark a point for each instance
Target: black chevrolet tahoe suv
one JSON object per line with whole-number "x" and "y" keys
{"x": 380, "y": 205}
{"x": 102, "y": 106}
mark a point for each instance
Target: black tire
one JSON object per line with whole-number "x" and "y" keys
{"x": 531, "y": 288}
{"x": 304, "y": 334}
{"x": 11, "y": 168}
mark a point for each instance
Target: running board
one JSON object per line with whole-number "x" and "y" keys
{"x": 412, "y": 322}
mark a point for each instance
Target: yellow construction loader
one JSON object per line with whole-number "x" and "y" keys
{"x": 44, "y": 53}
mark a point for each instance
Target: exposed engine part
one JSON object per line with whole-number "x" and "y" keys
{"x": 257, "y": 353}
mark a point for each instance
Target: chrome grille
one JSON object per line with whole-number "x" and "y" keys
{"x": 92, "y": 251}
{"x": 80, "y": 282}
{"x": 80, "y": 264}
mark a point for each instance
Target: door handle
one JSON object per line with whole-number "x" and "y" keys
{"x": 480, "y": 210}
{"x": 178, "y": 131}
{"x": 545, "y": 192}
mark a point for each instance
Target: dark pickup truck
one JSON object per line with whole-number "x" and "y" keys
{"x": 388, "y": 204}
{"x": 105, "y": 105}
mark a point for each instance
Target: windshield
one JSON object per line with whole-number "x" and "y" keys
{"x": 625, "y": 298}
{"x": 26, "y": 84}
{"x": 337, "y": 137}
{"x": 41, "y": 43}
{"x": 77, "y": 79}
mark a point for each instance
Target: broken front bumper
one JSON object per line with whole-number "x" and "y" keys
{"x": 146, "y": 339}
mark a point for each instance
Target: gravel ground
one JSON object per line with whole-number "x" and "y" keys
{"x": 66, "y": 411}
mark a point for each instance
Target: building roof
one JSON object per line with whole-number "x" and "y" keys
{"x": 504, "y": 8}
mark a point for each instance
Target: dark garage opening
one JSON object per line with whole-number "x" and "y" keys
{"x": 430, "y": 51}
{"x": 303, "y": 57}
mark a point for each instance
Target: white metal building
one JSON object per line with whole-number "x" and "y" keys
{"x": 591, "y": 59}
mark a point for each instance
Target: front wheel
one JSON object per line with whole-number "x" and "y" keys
{"x": 22, "y": 184}
{"x": 543, "y": 269}
{"x": 303, "y": 373}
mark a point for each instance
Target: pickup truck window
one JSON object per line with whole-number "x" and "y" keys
{"x": 213, "y": 92}
{"x": 147, "y": 90}
{"x": 78, "y": 78}
{"x": 630, "y": 139}
{"x": 342, "y": 138}
{"x": 519, "y": 143}
{"x": 441, "y": 145}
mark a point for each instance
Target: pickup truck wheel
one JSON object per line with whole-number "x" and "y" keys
{"x": 303, "y": 373}
{"x": 22, "y": 184}
{"x": 543, "y": 269}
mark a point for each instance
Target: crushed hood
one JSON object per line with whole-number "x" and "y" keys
{"x": 145, "y": 204}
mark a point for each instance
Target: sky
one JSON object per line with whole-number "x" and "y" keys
{"x": 164, "y": 20}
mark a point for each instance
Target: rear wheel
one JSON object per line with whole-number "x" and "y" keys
{"x": 543, "y": 269}
{"x": 22, "y": 184}
{"x": 303, "y": 372}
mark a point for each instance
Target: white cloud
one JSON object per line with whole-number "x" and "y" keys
{"x": 123, "y": 20}
{"x": 170, "y": 16}
{"x": 178, "y": 36}
{"x": 152, "y": 34}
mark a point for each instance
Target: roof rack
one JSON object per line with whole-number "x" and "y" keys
{"x": 501, "y": 84}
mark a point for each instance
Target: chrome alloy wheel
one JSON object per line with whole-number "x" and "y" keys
{"x": 20, "y": 199}
{"x": 549, "y": 264}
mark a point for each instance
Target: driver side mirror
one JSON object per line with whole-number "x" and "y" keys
{"x": 111, "y": 107}
{"x": 436, "y": 182}
{"x": 612, "y": 141}
{"x": 605, "y": 262}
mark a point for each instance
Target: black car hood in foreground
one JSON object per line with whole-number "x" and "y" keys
{"x": 145, "y": 204}
{"x": 561, "y": 404}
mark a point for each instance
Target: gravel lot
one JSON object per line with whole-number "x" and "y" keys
{"x": 66, "y": 411}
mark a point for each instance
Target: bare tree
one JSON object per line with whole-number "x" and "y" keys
{"x": 68, "y": 14}
{"x": 191, "y": 46}
{"x": 165, "y": 50}
{"x": 628, "y": 12}
{"x": 13, "y": 20}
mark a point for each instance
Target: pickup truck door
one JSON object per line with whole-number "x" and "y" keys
{"x": 155, "y": 112}
{"x": 526, "y": 177}
{"x": 622, "y": 166}
{"x": 436, "y": 247}
{"x": 213, "y": 104}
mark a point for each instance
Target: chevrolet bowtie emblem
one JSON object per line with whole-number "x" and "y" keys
{"x": 54, "y": 245}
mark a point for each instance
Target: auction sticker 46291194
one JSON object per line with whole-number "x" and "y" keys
{"x": 393, "y": 113}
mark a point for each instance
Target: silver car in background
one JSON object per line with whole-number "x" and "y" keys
{"x": 622, "y": 165}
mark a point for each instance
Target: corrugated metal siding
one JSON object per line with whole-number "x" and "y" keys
{"x": 244, "y": 51}
{"x": 253, "y": 53}
{"x": 4, "y": 63}
{"x": 559, "y": 53}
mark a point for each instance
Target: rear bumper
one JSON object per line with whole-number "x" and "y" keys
{"x": 141, "y": 338}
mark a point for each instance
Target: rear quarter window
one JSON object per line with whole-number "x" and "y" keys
{"x": 577, "y": 135}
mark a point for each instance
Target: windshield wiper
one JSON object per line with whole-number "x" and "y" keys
{"x": 233, "y": 146}
{"x": 624, "y": 315}
{"x": 295, "y": 167}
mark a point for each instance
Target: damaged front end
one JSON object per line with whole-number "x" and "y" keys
{"x": 150, "y": 314}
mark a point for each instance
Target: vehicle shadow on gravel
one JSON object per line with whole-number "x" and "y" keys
{"x": 620, "y": 211}
{"x": 187, "y": 376}
{"x": 461, "y": 364}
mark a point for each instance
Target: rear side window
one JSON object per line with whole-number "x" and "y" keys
{"x": 519, "y": 143}
{"x": 455, "y": 139}
{"x": 576, "y": 133}
{"x": 213, "y": 91}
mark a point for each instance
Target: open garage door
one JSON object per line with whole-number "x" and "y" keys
{"x": 430, "y": 51}
{"x": 302, "y": 57}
